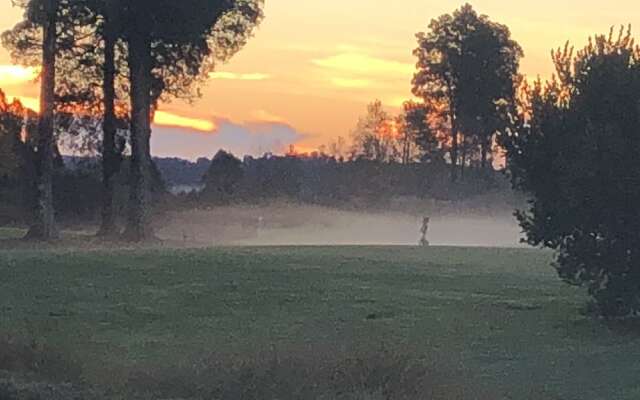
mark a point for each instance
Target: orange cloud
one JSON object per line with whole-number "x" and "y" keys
{"x": 160, "y": 117}
{"x": 169, "y": 119}
{"x": 16, "y": 74}
{"x": 240, "y": 77}
{"x": 363, "y": 63}
{"x": 266, "y": 116}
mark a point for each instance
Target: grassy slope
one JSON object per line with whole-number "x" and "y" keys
{"x": 499, "y": 314}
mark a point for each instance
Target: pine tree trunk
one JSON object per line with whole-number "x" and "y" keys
{"x": 110, "y": 155}
{"x": 454, "y": 149}
{"x": 43, "y": 227}
{"x": 463, "y": 162}
{"x": 406, "y": 155}
{"x": 485, "y": 152}
{"x": 138, "y": 225}
{"x": 454, "y": 135}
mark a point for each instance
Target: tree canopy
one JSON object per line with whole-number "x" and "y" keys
{"x": 466, "y": 64}
{"x": 14, "y": 138}
{"x": 418, "y": 128}
{"x": 222, "y": 177}
{"x": 375, "y": 136}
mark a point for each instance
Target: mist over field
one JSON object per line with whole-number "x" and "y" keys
{"x": 286, "y": 224}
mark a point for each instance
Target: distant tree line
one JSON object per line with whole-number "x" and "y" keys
{"x": 323, "y": 179}
{"x": 306, "y": 179}
{"x": 177, "y": 172}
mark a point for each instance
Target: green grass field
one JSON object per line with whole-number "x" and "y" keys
{"x": 500, "y": 318}
{"x": 11, "y": 233}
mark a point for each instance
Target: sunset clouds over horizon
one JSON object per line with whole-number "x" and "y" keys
{"x": 314, "y": 66}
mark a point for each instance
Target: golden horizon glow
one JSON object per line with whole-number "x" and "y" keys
{"x": 31, "y": 103}
{"x": 351, "y": 83}
{"x": 11, "y": 75}
{"x": 364, "y": 63}
{"x": 240, "y": 77}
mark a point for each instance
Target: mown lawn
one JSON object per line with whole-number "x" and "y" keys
{"x": 499, "y": 317}
{"x": 11, "y": 233}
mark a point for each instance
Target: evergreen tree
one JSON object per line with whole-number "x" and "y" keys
{"x": 573, "y": 148}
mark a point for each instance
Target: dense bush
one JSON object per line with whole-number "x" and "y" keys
{"x": 574, "y": 148}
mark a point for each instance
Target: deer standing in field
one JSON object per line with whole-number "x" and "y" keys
{"x": 424, "y": 230}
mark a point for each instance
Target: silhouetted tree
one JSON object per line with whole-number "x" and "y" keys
{"x": 406, "y": 139}
{"x": 573, "y": 147}
{"x": 44, "y": 13}
{"x": 418, "y": 131}
{"x": 10, "y": 128}
{"x": 468, "y": 63}
{"x": 16, "y": 145}
{"x": 374, "y": 138}
{"x": 111, "y": 149}
{"x": 92, "y": 58}
{"x": 337, "y": 149}
{"x": 85, "y": 90}
{"x": 222, "y": 178}
{"x": 187, "y": 26}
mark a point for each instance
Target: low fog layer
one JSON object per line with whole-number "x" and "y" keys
{"x": 308, "y": 225}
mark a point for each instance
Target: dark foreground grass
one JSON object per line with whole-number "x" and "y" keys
{"x": 309, "y": 322}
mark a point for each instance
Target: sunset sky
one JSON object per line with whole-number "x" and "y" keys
{"x": 313, "y": 65}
